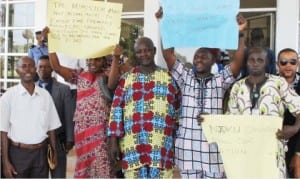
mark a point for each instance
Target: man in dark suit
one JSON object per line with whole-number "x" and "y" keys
{"x": 61, "y": 96}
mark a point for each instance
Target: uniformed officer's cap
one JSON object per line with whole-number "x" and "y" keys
{"x": 38, "y": 32}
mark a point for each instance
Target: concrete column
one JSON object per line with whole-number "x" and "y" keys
{"x": 151, "y": 28}
{"x": 287, "y": 26}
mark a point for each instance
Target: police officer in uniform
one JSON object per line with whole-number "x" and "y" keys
{"x": 36, "y": 51}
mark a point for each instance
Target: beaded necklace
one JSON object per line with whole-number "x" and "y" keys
{"x": 255, "y": 92}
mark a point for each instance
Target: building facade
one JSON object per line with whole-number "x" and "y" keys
{"x": 19, "y": 19}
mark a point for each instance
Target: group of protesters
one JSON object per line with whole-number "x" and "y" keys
{"x": 140, "y": 117}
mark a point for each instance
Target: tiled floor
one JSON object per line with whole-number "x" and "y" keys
{"x": 71, "y": 160}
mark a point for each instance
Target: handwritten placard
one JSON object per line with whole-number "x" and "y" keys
{"x": 83, "y": 28}
{"x": 248, "y": 144}
{"x": 200, "y": 23}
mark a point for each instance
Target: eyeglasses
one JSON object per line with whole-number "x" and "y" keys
{"x": 284, "y": 62}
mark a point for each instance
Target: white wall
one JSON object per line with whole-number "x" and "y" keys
{"x": 40, "y": 14}
{"x": 151, "y": 28}
{"x": 287, "y": 27}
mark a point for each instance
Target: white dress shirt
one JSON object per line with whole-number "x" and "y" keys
{"x": 27, "y": 118}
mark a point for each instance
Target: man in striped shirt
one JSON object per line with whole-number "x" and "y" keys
{"x": 202, "y": 92}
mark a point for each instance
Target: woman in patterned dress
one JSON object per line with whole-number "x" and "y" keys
{"x": 91, "y": 115}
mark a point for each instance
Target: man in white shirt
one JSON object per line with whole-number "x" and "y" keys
{"x": 28, "y": 117}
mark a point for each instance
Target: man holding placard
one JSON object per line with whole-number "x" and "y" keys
{"x": 264, "y": 94}
{"x": 202, "y": 92}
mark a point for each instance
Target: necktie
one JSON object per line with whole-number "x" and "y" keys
{"x": 44, "y": 85}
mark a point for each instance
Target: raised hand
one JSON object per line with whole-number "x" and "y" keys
{"x": 159, "y": 13}
{"x": 45, "y": 31}
{"x": 242, "y": 22}
{"x": 118, "y": 51}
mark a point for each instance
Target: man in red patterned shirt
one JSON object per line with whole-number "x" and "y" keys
{"x": 143, "y": 117}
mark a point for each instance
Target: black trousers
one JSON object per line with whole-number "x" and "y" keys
{"x": 29, "y": 163}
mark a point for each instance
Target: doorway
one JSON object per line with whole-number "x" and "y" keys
{"x": 264, "y": 21}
